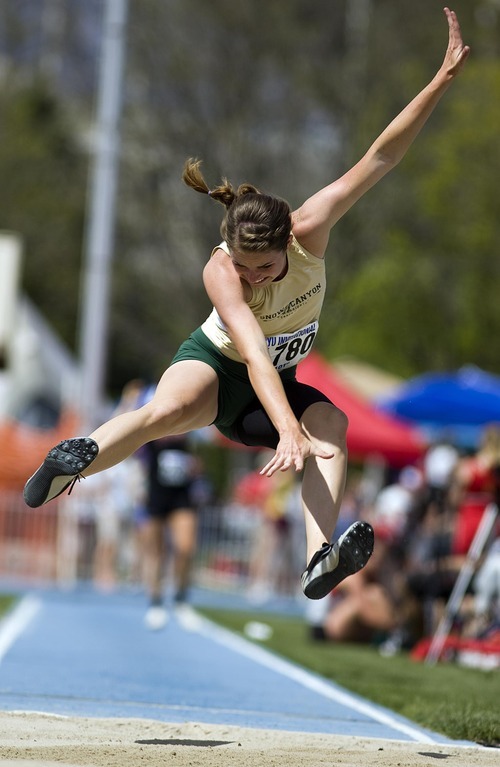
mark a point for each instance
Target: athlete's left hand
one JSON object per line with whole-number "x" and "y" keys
{"x": 456, "y": 53}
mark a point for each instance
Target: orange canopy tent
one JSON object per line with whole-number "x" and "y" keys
{"x": 23, "y": 448}
{"x": 370, "y": 432}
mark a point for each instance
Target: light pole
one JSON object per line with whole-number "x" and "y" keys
{"x": 99, "y": 238}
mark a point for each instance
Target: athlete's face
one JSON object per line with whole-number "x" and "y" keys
{"x": 260, "y": 268}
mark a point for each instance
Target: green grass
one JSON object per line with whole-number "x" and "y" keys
{"x": 6, "y": 602}
{"x": 461, "y": 703}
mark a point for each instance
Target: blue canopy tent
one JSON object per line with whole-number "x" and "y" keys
{"x": 454, "y": 406}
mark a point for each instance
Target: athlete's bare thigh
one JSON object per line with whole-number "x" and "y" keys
{"x": 193, "y": 386}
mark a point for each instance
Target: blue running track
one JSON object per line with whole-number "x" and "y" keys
{"x": 80, "y": 653}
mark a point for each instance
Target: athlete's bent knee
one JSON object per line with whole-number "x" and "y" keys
{"x": 326, "y": 422}
{"x": 162, "y": 415}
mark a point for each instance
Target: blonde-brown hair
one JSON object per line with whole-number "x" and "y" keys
{"x": 490, "y": 443}
{"x": 254, "y": 221}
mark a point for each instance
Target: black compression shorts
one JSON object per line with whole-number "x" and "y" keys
{"x": 162, "y": 503}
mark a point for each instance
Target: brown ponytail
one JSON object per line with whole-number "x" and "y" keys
{"x": 224, "y": 193}
{"x": 254, "y": 222}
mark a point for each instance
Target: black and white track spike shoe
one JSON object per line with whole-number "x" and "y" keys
{"x": 336, "y": 561}
{"x": 60, "y": 470}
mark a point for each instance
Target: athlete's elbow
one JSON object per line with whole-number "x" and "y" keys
{"x": 255, "y": 359}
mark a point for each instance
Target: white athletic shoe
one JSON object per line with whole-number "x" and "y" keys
{"x": 156, "y": 618}
{"x": 186, "y": 616}
{"x": 335, "y": 561}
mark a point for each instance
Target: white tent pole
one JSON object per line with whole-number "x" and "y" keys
{"x": 462, "y": 582}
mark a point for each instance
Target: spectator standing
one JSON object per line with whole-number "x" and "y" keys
{"x": 170, "y": 521}
{"x": 440, "y": 462}
{"x": 272, "y": 558}
{"x": 476, "y": 483}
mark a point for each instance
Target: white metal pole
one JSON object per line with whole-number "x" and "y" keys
{"x": 94, "y": 313}
{"x": 462, "y": 582}
{"x": 10, "y": 271}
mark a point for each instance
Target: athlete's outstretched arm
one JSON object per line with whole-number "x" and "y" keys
{"x": 313, "y": 221}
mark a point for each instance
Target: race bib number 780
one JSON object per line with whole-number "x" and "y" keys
{"x": 288, "y": 349}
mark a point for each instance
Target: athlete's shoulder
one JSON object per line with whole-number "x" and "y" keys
{"x": 222, "y": 246}
{"x": 296, "y": 247}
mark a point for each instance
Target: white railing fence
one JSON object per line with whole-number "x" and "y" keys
{"x": 56, "y": 544}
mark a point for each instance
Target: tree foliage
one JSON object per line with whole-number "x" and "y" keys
{"x": 426, "y": 295}
{"x": 42, "y": 198}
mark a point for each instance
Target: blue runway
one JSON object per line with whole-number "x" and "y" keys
{"x": 81, "y": 653}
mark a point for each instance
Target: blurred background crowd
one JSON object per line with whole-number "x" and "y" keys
{"x": 159, "y": 524}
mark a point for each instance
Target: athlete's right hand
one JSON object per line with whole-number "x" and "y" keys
{"x": 292, "y": 451}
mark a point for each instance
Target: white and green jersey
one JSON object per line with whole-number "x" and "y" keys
{"x": 287, "y": 310}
